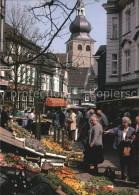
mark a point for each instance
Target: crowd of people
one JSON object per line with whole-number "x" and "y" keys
{"x": 91, "y": 126}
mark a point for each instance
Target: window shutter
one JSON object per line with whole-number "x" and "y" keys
{"x": 52, "y": 84}
{"x": 21, "y": 74}
{"x": 79, "y": 91}
{"x": 72, "y": 90}
{"x": 60, "y": 85}
{"x": 26, "y": 74}
{"x": 35, "y": 77}
{"x": 31, "y": 75}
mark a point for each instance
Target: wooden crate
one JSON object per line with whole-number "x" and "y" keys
{"x": 73, "y": 164}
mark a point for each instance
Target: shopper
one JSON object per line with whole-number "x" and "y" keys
{"x": 72, "y": 125}
{"x": 124, "y": 141}
{"x": 4, "y": 116}
{"x": 94, "y": 150}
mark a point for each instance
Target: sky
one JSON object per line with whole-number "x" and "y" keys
{"x": 95, "y": 14}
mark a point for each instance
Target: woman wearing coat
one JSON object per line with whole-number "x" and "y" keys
{"x": 124, "y": 142}
{"x": 72, "y": 126}
{"x": 94, "y": 150}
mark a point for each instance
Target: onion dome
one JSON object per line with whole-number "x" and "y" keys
{"x": 80, "y": 24}
{"x": 80, "y": 27}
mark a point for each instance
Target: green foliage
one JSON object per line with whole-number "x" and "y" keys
{"x": 100, "y": 181}
{"x": 20, "y": 131}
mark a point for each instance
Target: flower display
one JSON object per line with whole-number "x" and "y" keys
{"x": 108, "y": 188}
{"x": 12, "y": 160}
{"x": 19, "y": 131}
{"x": 67, "y": 176}
{"x": 36, "y": 145}
{"x": 16, "y": 158}
{"x": 33, "y": 167}
{"x": 52, "y": 147}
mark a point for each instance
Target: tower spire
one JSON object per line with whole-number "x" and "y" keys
{"x": 80, "y": 8}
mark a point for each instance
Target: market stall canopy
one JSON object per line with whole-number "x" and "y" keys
{"x": 88, "y": 104}
{"x": 73, "y": 106}
{"x": 53, "y": 102}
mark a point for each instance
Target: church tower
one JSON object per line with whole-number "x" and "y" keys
{"x": 80, "y": 46}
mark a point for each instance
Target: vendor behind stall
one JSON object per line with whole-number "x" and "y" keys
{"x": 30, "y": 119}
{"x": 4, "y": 116}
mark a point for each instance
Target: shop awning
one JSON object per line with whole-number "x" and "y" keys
{"x": 53, "y": 102}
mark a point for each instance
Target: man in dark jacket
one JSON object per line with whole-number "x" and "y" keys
{"x": 61, "y": 119}
{"x": 4, "y": 116}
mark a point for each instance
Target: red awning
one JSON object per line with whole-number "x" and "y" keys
{"x": 53, "y": 102}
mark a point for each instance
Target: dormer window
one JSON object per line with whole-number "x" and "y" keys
{"x": 79, "y": 47}
{"x": 87, "y": 48}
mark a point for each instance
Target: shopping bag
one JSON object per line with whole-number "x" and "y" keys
{"x": 126, "y": 151}
{"x": 109, "y": 173}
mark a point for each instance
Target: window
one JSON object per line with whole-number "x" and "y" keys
{"x": 87, "y": 97}
{"x": 31, "y": 98}
{"x": 69, "y": 58}
{"x": 80, "y": 91}
{"x": 114, "y": 64}
{"x": 79, "y": 47}
{"x": 24, "y": 98}
{"x": 75, "y": 90}
{"x": 127, "y": 61}
{"x": 115, "y": 27}
{"x": 47, "y": 83}
{"x": 69, "y": 90}
{"x": 87, "y": 48}
{"x": 75, "y": 101}
{"x": 127, "y": 21}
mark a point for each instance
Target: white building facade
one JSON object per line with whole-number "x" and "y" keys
{"x": 122, "y": 58}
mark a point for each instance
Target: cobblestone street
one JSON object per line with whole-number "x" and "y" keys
{"x": 111, "y": 159}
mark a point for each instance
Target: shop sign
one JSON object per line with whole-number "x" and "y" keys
{"x": 4, "y": 83}
{"x": 90, "y": 80}
{"x": 5, "y": 68}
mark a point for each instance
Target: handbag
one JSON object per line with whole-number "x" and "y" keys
{"x": 69, "y": 120}
{"x": 126, "y": 151}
